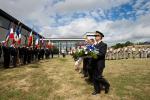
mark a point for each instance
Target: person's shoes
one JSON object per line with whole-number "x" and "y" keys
{"x": 107, "y": 89}
{"x": 95, "y": 93}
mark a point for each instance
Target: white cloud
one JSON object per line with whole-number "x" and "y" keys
{"x": 75, "y": 5}
{"x": 115, "y": 31}
{"x": 138, "y": 4}
{"x": 75, "y": 29}
{"x": 40, "y": 12}
{"x": 124, "y": 30}
{"x": 141, "y": 7}
{"x": 21, "y": 8}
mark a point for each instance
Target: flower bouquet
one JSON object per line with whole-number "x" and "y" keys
{"x": 86, "y": 52}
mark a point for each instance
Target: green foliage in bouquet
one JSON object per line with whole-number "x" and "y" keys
{"x": 75, "y": 56}
{"x": 78, "y": 54}
{"x": 81, "y": 53}
{"x": 92, "y": 54}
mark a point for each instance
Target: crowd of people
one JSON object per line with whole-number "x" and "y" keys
{"x": 93, "y": 68}
{"x": 128, "y": 52}
{"x": 14, "y": 55}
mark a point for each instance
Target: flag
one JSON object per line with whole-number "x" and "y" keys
{"x": 30, "y": 39}
{"x": 13, "y": 42}
{"x": 26, "y": 40}
{"x": 7, "y": 36}
{"x": 42, "y": 41}
{"x": 19, "y": 39}
{"x": 52, "y": 45}
{"x": 48, "y": 44}
{"x": 16, "y": 35}
{"x": 19, "y": 35}
{"x": 11, "y": 35}
{"x": 37, "y": 41}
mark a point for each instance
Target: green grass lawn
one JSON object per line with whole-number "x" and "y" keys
{"x": 56, "y": 79}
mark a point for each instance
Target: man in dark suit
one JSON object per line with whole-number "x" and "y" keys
{"x": 14, "y": 52}
{"x": 98, "y": 79}
{"x": 90, "y": 61}
{"x": 25, "y": 53}
{"x": 36, "y": 53}
{"x": 85, "y": 66}
{"x": 29, "y": 52}
{"x": 20, "y": 50}
{"x": 42, "y": 53}
{"x": 47, "y": 53}
{"x": 39, "y": 53}
{"x": 32, "y": 53}
{"x": 52, "y": 52}
{"x": 6, "y": 54}
{"x": 0, "y": 49}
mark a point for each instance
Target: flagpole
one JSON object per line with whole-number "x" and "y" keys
{"x": 16, "y": 35}
{"x": 32, "y": 36}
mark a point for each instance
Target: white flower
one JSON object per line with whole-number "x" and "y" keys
{"x": 86, "y": 52}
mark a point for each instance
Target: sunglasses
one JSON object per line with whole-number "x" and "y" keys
{"x": 96, "y": 35}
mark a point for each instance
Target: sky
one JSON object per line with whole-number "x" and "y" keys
{"x": 119, "y": 20}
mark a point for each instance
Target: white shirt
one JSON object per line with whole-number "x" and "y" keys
{"x": 133, "y": 49}
{"x": 125, "y": 49}
{"x": 98, "y": 42}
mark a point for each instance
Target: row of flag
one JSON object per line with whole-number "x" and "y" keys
{"x": 15, "y": 38}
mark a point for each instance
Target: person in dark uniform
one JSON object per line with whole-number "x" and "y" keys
{"x": 14, "y": 52}
{"x": 32, "y": 53}
{"x": 36, "y": 53}
{"x": 29, "y": 52}
{"x": 42, "y": 53}
{"x": 98, "y": 79}
{"x": 85, "y": 66}
{"x": 52, "y": 51}
{"x": 90, "y": 65}
{"x": 0, "y": 49}
{"x": 24, "y": 50}
{"x": 20, "y": 50}
{"x": 47, "y": 53}
{"x": 39, "y": 53}
{"x": 87, "y": 71}
{"x": 6, "y": 54}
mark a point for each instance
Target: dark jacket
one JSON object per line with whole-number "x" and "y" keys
{"x": 13, "y": 51}
{"x": 0, "y": 51}
{"x": 102, "y": 48}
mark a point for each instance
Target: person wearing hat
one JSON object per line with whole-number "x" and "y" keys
{"x": 6, "y": 54}
{"x": 0, "y": 50}
{"x": 25, "y": 54}
{"x": 14, "y": 54}
{"x": 29, "y": 52}
{"x": 98, "y": 79}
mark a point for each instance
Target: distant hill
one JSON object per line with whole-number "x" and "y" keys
{"x": 144, "y": 43}
{"x": 128, "y": 43}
